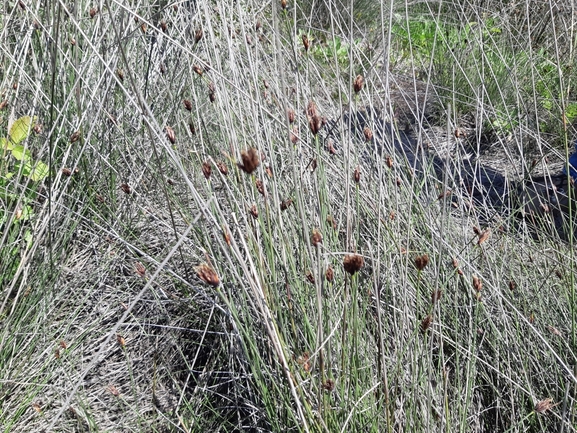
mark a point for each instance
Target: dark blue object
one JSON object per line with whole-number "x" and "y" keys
{"x": 572, "y": 164}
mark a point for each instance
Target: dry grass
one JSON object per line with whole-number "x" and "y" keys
{"x": 209, "y": 261}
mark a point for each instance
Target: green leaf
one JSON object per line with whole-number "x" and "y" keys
{"x": 23, "y": 168}
{"x": 28, "y": 236}
{"x": 20, "y": 129}
{"x": 39, "y": 172}
{"x": 21, "y": 153}
{"x": 4, "y": 144}
{"x": 26, "y": 214}
{"x": 571, "y": 111}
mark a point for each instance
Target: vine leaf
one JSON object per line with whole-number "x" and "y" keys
{"x": 20, "y": 129}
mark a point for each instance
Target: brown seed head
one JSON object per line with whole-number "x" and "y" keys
{"x": 426, "y": 323}
{"x": 126, "y": 188}
{"x": 310, "y": 277}
{"x": 314, "y": 164}
{"x": 163, "y": 26}
{"x": 250, "y": 160}
{"x": 484, "y": 236}
{"x": 93, "y": 12}
{"x": 3, "y": 104}
{"x": 329, "y": 385}
{"x": 357, "y": 175}
{"x": 293, "y": 135}
{"x": 421, "y": 262}
{"x": 306, "y": 42}
{"x": 459, "y": 133}
{"x": 330, "y": 274}
{"x": 211, "y": 92}
{"x": 316, "y": 237}
{"x": 222, "y": 168}
{"x": 331, "y": 147}
{"x": 456, "y": 266}
{"x": 291, "y": 115}
{"x": 512, "y": 285}
{"x": 353, "y": 263}
{"x": 477, "y": 284}
{"x": 285, "y": 204}
{"x": 368, "y": 133}
{"x": 444, "y": 194}
{"x": 206, "y": 169}
{"x": 143, "y": 28}
{"x": 358, "y": 83}
{"x": 226, "y": 235}
{"x": 74, "y": 137}
{"x": 544, "y": 405}
{"x": 192, "y": 128}
{"x": 283, "y": 4}
{"x": 120, "y": 340}
{"x": 303, "y": 360}
{"x": 197, "y": 35}
{"x": 187, "y": 104}
{"x": 198, "y": 69}
{"x": 257, "y": 25}
{"x": 170, "y": 134}
{"x": 389, "y": 162}
{"x": 316, "y": 122}
{"x": 113, "y": 390}
{"x": 120, "y": 74}
{"x": 207, "y": 274}
{"x": 436, "y": 296}
{"x": 140, "y": 269}
{"x": 254, "y": 211}
{"x": 260, "y": 187}
{"x": 477, "y": 231}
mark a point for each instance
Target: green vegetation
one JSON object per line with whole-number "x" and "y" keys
{"x": 474, "y": 62}
{"x": 201, "y": 237}
{"x": 17, "y": 194}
